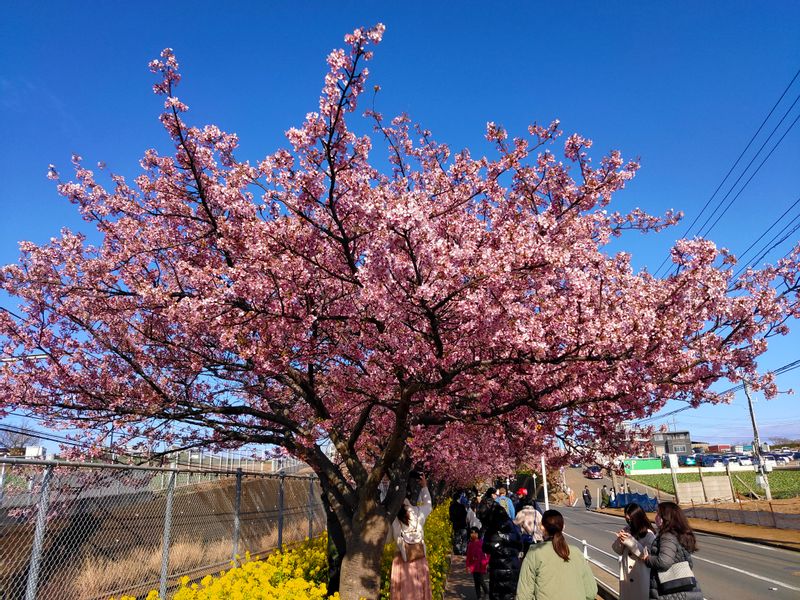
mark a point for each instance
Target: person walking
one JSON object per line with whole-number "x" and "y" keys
{"x": 587, "y": 497}
{"x": 631, "y": 542}
{"x": 458, "y": 519}
{"x": 506, "y": 502}
{"x": 674, "y": 544}
{"x": 554, "y": 570}
{"x": 503, "y": 543}
{"x": 477, "y": 562}
{"x": 410, "y": 579}
{"x": 472, "y": 515}
{"x": 529, "y": 521}
{"x": 604, "y": 497}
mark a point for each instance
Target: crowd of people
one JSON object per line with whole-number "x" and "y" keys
{"x": 521, "y": 550}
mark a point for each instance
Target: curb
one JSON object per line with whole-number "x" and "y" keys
{"x": 605, "y": 591}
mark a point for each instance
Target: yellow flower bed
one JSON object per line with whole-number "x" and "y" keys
{"x": 295, "y": 574}
{"x": 438, "y": 544}
{"x": 300, "y": 573}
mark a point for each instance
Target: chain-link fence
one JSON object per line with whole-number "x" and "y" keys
{"x": 92, "y": 531}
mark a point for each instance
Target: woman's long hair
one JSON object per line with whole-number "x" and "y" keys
{"x": 553, "y": 523}
{"x": 673, "y": 520}
{"x": 403, "y": 515}
{"x": 638, "y": 521}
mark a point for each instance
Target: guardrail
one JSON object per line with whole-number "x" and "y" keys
{"x": 604, "y": 590}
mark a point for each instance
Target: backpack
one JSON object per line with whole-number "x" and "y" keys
{"x": 505, "y": 502}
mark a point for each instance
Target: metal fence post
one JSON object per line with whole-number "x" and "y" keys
{"x": 280, "y": 510}
{"x": 167, "y": 526}
{"x": 310, "y": 507}
{"x": 237, "y": 505}
{"x": 38, "y": 536}
{"x": 2, "y": 482}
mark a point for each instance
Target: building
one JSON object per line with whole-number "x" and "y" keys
{"x": 700, "y": 446}
{"x": 671, "y": 442}
{"x": 719, "y": 448}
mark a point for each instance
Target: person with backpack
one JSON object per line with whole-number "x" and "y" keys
{"x": 504, "y": 501}
{"x": 410, "y": 575}
{"x": 529, "y": 521}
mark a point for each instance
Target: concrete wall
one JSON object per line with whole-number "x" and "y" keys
{"x": 708, "y": 490}
{"x": 746, "y": 517}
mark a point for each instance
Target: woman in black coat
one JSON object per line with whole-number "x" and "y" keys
{"x": 674, "y": 543}
{"x": 503, "y": 543}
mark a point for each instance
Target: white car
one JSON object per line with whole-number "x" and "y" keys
{"x": 746, "y": 461}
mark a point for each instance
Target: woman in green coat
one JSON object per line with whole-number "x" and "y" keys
{"x": 554, "y": 570}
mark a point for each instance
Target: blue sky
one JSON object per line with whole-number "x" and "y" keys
{"x": 682, "y": 86}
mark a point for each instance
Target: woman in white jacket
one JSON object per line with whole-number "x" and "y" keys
{"x": 410, "y": 575}
{"x": 631, "y": 542}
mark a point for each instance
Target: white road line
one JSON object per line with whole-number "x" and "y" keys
{"x": 773, "y": 548}
{"x": 767, "y": 579}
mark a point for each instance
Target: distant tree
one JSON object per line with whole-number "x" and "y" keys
{"x": 784, "y": 441}
{"x": 18, "y": 436}
{"x": 459, "y": 312}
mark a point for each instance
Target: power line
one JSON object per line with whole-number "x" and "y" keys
{"x": 724, "y": 179}
{"x": 779, "y": 371}
{"x": 774, "y": 223}
{"x": 776, "y": 244}
{"x": 732, "y": 200}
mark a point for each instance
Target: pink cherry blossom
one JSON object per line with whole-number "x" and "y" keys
{"x": 454, "y": 311}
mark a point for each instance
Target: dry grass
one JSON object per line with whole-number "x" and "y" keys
{"x": 98, "y": 576}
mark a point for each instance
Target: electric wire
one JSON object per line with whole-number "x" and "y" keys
{"x": 779, "y": 371}
{"x": 739, "y": 158}
{"x": 774, "y": 223}
{"x": 732, "y": 200}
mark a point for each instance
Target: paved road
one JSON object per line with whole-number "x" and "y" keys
{"x": 576, "y": 481}
{"x": 726, "y": 569}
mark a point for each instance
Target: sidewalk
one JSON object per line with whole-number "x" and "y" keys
{"x": 788, "y": 539}
{"x": 459, "y": 582}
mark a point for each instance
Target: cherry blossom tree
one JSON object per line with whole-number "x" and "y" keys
{"x": 460, "y": 312}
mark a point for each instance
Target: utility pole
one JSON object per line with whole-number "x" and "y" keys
{"x": 762, "y": 470}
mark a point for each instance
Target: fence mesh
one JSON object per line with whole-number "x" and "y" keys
{"x": 90, "y": 532}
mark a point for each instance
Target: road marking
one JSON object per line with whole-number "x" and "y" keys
{"x": 774, "y": 548}
{"x": 762, "y": 578}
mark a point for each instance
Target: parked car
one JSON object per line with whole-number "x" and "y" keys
{"x": 745, "y": 461}
{"x": 687, "y": 461}
{"x": 782, "y": 459}
{"x": 796, "y": 455}
{"x": 593, "y": 472}
{"x": 712, "y": 461}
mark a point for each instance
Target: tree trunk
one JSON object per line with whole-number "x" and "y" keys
{"x": 361, "y": 566}
{"x": 337, "y": 547}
